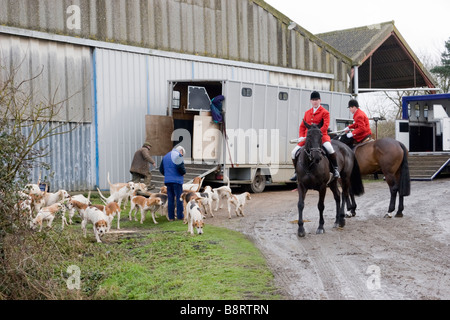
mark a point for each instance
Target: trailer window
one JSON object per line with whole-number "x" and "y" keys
{"x": 176, "y": 100}
{"x": 283, "y": 96}
{"x": 247, "y": 92}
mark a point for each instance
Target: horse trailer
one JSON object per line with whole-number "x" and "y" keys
{"x": 251, "y": 146}
{"x": 425, "y": 131}
{"x": 425, "y": 124}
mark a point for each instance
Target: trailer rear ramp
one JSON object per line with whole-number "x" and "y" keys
{"x": 192, "y": 171}
{"x": 427, "y": 166}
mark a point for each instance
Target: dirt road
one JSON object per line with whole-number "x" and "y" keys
{"x": 371, "y": 258}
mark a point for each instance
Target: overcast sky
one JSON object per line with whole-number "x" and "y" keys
{"x": 424, "y": 24}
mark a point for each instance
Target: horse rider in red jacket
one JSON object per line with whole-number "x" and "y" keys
{"x": 314, "y": 116}
{"x": 361, "y": 127}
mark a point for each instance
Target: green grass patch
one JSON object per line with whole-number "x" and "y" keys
{"x": 165, "y": 262}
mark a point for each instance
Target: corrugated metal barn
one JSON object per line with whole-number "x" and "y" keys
{"x": 112, "y": 60}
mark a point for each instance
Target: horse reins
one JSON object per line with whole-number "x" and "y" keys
{"x": 309, "y": 154}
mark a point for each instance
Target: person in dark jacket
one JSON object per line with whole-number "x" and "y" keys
{"x": 140, "y": 168}
{"x": 173, "y": 170}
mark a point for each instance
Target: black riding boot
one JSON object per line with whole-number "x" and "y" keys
{"x": 294, "y": 177}
{"x": 333, "y": 160}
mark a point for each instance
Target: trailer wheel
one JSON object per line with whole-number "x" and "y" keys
{"x": 258, "y": 184}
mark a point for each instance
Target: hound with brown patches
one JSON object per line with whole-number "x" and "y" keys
{"x": 118, "y": 192}
{"x": 24, "y": 205}
{"x": 52, "y": 198}
{"x": 80, "y": 198}
{"x": 208, "y": 197}
{"x": 163, "y": 189}
{"x": 110, "y": 210}
{"x": 194, "y": 217}
{"x": 187, "y": 197}
{"x": 48, "y": 214}
{"x": 37, "y": 202}
{"x": 99, "y": 221}
{"x": 223, "y": 192}
{"x": 194, "y": 186}
{"x": 239, "y": 201}
{"x": 144, "y": 204}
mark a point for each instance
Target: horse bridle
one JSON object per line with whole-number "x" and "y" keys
{"x": 309, "y": 153}
{"x": 311, "y": 150}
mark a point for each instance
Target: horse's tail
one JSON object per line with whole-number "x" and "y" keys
{"x": 356, "y": 180}
{"x": 405, "y": 179}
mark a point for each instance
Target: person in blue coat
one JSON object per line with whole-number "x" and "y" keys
{"x": 173, "y": 169}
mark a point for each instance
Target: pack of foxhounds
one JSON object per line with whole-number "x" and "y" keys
{"x": 42, "y": 206}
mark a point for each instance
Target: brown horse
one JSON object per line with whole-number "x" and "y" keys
{"x": 390, "y": 157}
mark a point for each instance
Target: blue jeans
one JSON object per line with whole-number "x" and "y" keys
{"x": 174, "y": 191}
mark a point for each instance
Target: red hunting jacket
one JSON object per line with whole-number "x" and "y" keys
{"x": 316, "y": 118}
{"x": 361, "y": 126}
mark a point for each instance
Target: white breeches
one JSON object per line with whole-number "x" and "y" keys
{"x": 327, "y": 145}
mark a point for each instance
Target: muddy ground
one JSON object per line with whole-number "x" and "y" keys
{"x": 371, "y": 258}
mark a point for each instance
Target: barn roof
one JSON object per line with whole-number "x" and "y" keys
{"x": 384, "y": 58}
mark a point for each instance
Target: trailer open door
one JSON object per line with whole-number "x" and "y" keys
{"x": 207, "y": 143}
{"x": 159, "y": 131}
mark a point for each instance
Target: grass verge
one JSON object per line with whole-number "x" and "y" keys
{"x": 163, "y": 262}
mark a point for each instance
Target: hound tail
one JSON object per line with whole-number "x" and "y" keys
{"x": 109, "y": 181}
{"x": 228, "y": 181}
{"x": 102, "y": 196}
{"x": 201, "y": 183}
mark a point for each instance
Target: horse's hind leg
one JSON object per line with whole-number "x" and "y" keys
{"x": 349, "y": 199}
{"x": 351, "y": 206}
{"x": 400, "y": 207}
{"x": 340, "y": 216}
{"x": 393, "y": 188}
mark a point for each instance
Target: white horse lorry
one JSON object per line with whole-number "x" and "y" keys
{"x": 251, "y": 147}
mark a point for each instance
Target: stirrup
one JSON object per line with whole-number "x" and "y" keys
{"x": 336, "y": 174}
{"x": 294, "y": 177}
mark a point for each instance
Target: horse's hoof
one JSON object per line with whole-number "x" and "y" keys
{"x": 320, "y": 231}
{"x": 339, "y": 226}
{"x": 399, "y": 215}
{"x": 301, "y": 233}
{"x": 388, "y": 216}
{"x": 349, "y": 215}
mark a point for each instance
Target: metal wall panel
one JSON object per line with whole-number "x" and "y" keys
{"x": 122, "y": 103}
{"x": 249, "y": 31}
{"x": 63, "y": 74}
{"x": 69, "y": 158}
{"x": 62, "y": 71}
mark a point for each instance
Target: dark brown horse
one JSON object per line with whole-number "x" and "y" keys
{"x": 390, "y": 157}
{"x": 313, "y": 172}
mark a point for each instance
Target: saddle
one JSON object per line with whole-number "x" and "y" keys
{"x": 363, "y": 142}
